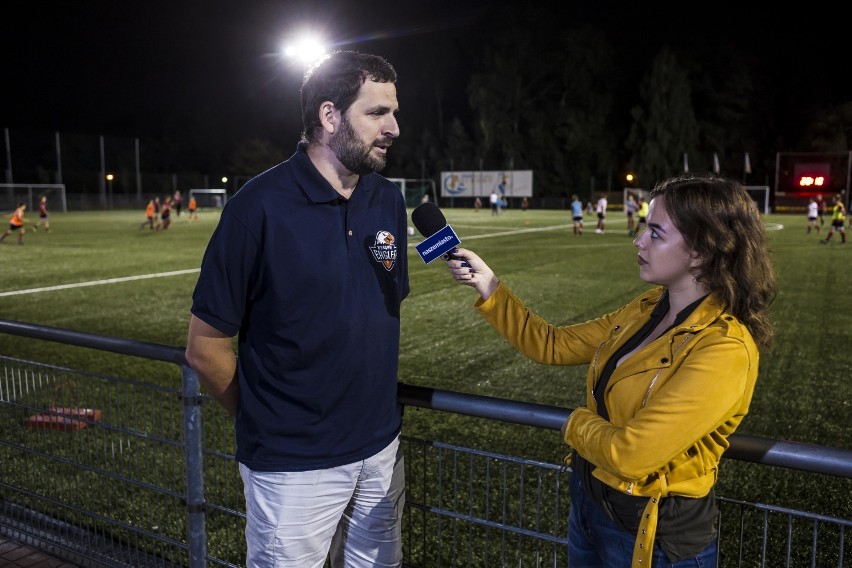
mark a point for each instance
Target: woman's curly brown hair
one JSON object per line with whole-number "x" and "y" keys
{"x": 722, "y": 224}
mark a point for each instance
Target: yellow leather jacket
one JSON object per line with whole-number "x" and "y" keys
{"x": 672, "y": 404}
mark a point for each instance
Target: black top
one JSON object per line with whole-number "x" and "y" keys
{"x": 312, "y": 285}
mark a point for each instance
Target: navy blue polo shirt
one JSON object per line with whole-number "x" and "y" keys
{"x": 311, "y": 284}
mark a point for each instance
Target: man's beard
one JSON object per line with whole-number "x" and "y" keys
{"x": 353, "y": 153}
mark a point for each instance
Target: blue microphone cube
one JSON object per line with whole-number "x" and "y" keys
{"x": 438, "y": 244}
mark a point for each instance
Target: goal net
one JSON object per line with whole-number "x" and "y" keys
{"x": 209, "y": 198}
{"x": 637, "y": 194}
{"x": 416, "y": 191}
{"x": 12, "y": 194}
{"x": 760, "y": 194}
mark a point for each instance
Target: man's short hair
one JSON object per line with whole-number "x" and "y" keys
{"x": 338, "y": 78}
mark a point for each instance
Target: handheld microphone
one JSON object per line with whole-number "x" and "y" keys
{"x": 440, "y": 237}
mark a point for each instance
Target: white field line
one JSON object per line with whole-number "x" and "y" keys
{"x": 770, "y": 227}
{"x": 512, "y": 232}
{"x": 100, "y": 282}
{"x": 192, "y": 270}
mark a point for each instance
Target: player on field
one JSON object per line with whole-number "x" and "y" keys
{"x": 813, "y": 215}
{"x": 43, "y": 218}
{"x": 643, "y": 215}
{"x": 193, "y": 207}
{"x": 577, "y": 215}
{"x": 149, "y": 216}
{"x": 16, "y": 223}
{"x": 838, "y": 216}
{"x": 166, "y": 213}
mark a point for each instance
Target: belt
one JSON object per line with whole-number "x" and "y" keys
{"x": 644, "y": 546}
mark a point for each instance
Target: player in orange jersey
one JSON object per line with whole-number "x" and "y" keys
{"x": 149, "y": 216}
{"x": 193, "y": 207}
{"x": 16, "y": 223}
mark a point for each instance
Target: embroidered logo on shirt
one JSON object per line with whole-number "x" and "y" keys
{"x": 384, "y": 250}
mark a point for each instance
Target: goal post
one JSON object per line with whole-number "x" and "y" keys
{"x": 760, "y": 194}
{"x": 415, "y": 190}
{"x": 11, "y": 194}
{"x": 637, "y": 194}
{"x": 211, "y": 198}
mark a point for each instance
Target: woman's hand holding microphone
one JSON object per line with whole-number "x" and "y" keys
{"x": 468, "y": 269}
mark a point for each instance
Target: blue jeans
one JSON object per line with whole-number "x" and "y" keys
{"x": 596, "y": 541}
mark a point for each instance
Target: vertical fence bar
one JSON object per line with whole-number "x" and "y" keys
{"x": 195, "y": 505}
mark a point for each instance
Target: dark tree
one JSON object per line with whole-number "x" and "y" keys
{"x": 665, "y": 127}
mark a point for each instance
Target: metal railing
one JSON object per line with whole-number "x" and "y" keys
{"x": 106, "y": 471}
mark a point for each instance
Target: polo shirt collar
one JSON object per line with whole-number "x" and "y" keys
{"x": 315, "y": 186}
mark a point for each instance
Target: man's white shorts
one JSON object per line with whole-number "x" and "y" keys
{"x": 352, "y": 512}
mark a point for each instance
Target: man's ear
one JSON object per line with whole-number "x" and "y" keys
{"x": 329, "y": 117}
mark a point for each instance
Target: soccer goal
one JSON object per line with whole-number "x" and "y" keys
{"x": 209, "y": 198}
{"x": 11, "y": 194}
{"x": 415, "y": 191}
{"x": 760, "y": 194}
{"x": 637, "y": 194}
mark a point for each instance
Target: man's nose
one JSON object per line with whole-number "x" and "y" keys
{"x": 391, "y": 127}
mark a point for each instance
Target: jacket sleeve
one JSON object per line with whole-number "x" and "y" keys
{"x": 693, "y": 410}
{"x": 535, "y": 338}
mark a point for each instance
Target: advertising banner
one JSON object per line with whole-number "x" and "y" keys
{"x": 507, "y": 183}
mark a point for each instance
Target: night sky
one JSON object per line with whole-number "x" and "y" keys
{"x": 122, "y": 66}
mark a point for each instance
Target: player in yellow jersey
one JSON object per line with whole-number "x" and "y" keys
{"x": 838, "y": 216}
{"x": 643, "y": 215}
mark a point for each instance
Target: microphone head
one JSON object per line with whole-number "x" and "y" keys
{"x": 428, "y": 219}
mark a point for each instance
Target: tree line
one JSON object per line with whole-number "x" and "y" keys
{"x": 568, "y": 102}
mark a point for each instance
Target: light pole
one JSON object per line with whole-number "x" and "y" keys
{"x": 109, "y": 178}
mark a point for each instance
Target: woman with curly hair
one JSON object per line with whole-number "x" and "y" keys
{"x": 671, "y": 375}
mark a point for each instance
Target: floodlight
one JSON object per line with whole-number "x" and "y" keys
{"x": 308, "y": 50}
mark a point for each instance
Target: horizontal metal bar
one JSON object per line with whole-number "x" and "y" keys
{"x": 766, "y": 451}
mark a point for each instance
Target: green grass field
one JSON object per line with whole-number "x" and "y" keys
{"x": 99, "y": 272}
